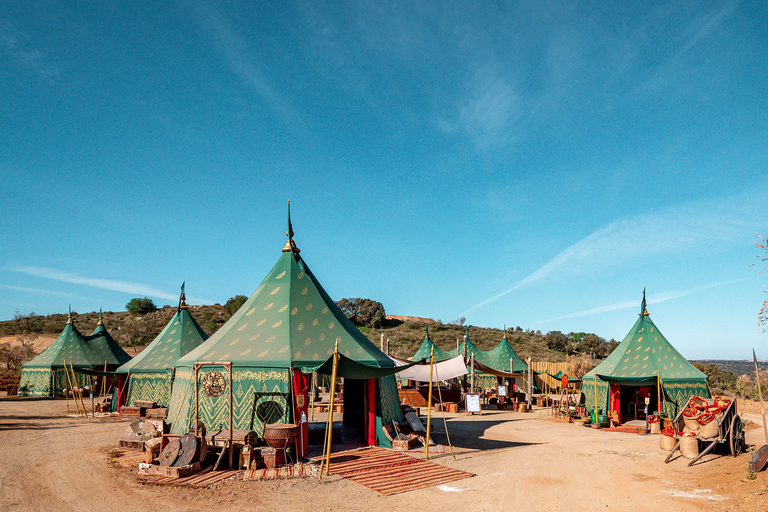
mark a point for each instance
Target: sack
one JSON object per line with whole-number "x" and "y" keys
{"x": 689, "y": 445}
{"x": 667, "y": 440}
{"x": 711, "y": 429}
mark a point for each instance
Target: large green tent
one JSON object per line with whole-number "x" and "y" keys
{"x": 504, "y": 358}
{"x": 425, "y": 350}
{"x": 44, "y": 375}
{"x": 644, "y": 358}
{"x": 286, "y": 329}
{"x": 150, "y": 374}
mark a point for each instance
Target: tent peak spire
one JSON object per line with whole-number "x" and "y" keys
{"x": 643, "y": 309}
{"x": 183, "y": 297}
{"x": 101, "y": 317}
{"x": 69, "y": 317}
{"x": 290, "y": 245}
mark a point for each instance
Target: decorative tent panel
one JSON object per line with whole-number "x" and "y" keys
{"x": 260, "y": 396}
{"x": 677, "y": 394}
{"x": 588, "y": 389}
{"x": 153, "y": 387}
{"x": 35, "y": 382}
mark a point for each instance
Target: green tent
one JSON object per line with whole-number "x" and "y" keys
{"x": 107, "y": 350}
{"x": 44, "y": 375}
{"x": 286, "y": 329}
{"x": 425, "y": 349}
{"x": 468, "y": 349}
{"x": 645, "y": 358}
{"x": 150, "y": 374}
{"x": 504, "y": 358}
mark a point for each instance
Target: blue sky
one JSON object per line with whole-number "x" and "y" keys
{"x": 519, "y": 163}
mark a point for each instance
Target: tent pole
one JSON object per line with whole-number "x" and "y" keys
{"x": 760, "y": 392}
{"x": 197, "y": 401}
{"x": 429, "y": 408}
{"x": 658, "y": 395}
{"x": 231, "y": 420}
{"x": 70, "y": 389}
{"x": 472, "y": 383}
{"x": 330, "y": 409}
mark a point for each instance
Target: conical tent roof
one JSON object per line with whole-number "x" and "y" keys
{"x": 642, "y": 355}
{"x": 467, "y": 349}
{"x": 106, "y": 348}
{"x": 288, "y": 322}
{"x": 69, "y": 346}
{"x": 425, "y": 350}
{"x": 179, "y": 336}
{"x": 502, "y": 355}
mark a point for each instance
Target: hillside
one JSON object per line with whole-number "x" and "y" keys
{"x": 405, "y": 333}
{"x": 739, "y": 367}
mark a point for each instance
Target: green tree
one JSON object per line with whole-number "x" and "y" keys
{"x": 234, "y": 303}
{"x": 365, "y": 312}
{"x": 140, "y": 306}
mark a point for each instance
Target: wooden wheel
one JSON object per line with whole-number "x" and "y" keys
{"x": 736, "y": 435}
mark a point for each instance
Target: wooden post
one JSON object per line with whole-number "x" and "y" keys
{"x": 197, "y": 401}
{"x": 79, "y": 395}
{"x": 329, "y": 432}
{"x": 381, "y": 343}
{"x": 658, "y": 396}
{"x": 472, "y": 382}
{"x": 760, "y": 392}
{"x": 530, "y": 383}
{"x": 70, "y": 389}
{"x": 429, "y": 403}
{"x": 231, "y": 421}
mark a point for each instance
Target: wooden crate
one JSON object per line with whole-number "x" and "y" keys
{"x": 269, "y": 457}
{"x": 132, "y": 412}
{"x": 170, "y": 471}
{"x": 160, "y": 425}
{"x": 157, "y": 413}
{"x": 137, "y": 446}
{"x": 404, "y": 444}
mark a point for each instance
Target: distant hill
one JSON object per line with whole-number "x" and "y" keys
{"x": 739, "y": 367}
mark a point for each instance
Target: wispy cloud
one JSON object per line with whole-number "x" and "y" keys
{"x": 242, "y": 60}
{"x": 49, "y": 293}
{"x": 662, "y": 297}
{"x": 16, "y": 44}
{"x": 94, "y": 282}
{"x": 704, "y": 227}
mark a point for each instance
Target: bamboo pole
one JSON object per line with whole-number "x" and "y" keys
{"x": 77, "y": 394}
{"x": 760, "y": 392}
{"x": 329, "y": 432}
{"x": 429, "y": 403}
{"x": 66, "y": 395}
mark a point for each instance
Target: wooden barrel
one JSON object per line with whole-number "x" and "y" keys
{"x": 281, "y": 436}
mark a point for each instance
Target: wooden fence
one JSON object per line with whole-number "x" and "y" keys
{"x": 544, "y": 381}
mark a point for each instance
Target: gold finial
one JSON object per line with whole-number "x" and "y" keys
{"x": 69, "y": 318}
{"x": 183, "y": 304}
{"x": 290, "y": 244}
{"x": 100, "y": 317}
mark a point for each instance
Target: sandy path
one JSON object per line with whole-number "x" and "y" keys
{"x": 522, "y": 462}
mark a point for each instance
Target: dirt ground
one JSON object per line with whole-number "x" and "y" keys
{"x": 50, "y": 461}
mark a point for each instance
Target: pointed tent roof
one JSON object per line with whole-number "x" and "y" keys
{"x": 106, "y": 348}
{"x": 179, "y": 336}
{"x": 69, "y": 346}
{"x": 425, "y": 349}
{"x": 288, "y": 322}
{"x": 468, "y": 348}
{"x": 502, "y": 354}
{"x": 642, "y": 355}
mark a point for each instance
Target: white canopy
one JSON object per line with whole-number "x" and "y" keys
{"x": 444, "y": 370}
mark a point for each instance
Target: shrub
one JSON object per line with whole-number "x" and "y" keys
{"x": 234, "y": 303}
{"x": 365, "y": 312}
{"x": 140, "y": 306}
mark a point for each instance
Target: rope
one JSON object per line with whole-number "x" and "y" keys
{"x": 445, "y": 422}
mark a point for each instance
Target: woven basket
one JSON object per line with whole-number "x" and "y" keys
{"x": 667, "y": 443}
{"x": 689, "y": 447}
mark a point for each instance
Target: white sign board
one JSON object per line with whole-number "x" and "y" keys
{"x": 472, "y": 402}
{"x": 502, "y": 390}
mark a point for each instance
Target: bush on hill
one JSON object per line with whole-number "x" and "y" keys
{"x": 140, "y": 306}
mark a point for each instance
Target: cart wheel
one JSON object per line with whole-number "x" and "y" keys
{"x": 737, "y": 435}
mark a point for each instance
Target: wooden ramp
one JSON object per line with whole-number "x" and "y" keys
{"x": 389, "y": 472}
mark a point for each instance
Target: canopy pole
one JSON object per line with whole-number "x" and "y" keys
{"x": 429, "y": 404}
{"x": 66, "y": 395}
{"x": 472, "y": 383}
{"x": 329, "y": 433}
{"x": 760, "y": 392}
{"x": 658, "y": 395}
{"x": 530, "y": 383}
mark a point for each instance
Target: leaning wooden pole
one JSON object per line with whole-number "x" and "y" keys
{"x": 329, "y": 432}
{"x": 760, "y": 392}
{"x": 429, "y": 403}
{"x": 78, "y": 394}
{"x": 66, "y": 395}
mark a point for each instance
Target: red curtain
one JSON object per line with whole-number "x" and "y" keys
{"x": 371, "y": 413}
{"x": 301, "y": 402}
{"x": 615, "y": 402}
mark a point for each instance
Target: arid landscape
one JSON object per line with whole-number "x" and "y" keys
{"x": 54, "y": 461}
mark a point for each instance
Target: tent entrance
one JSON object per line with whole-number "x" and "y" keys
{"x": 629, "y": 401}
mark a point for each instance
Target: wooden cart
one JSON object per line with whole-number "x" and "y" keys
{"x": 731, "y": 431}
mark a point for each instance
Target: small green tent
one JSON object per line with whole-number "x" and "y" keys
{"x": 285, "y": 330}
{"x": 504, "y": 358}
{"x": 469, "y": 349}
{"x": 44, "y": 375}
{"x": 644, "y": 358}
{"x": 425, "y": 350}
{"x": 108, "y": 352}
{"x": 150, "y": 374}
